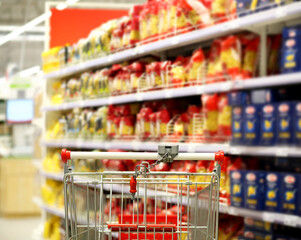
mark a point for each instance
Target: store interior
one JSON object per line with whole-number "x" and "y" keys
{"x": 150, "y": 119}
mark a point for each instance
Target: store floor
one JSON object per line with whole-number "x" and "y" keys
{"x": 19, "y": 228}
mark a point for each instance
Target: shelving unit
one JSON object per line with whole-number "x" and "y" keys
{"x": 257, "y": 22}
{"x": 252, "y": 21}
{"x": 254, "y": 83}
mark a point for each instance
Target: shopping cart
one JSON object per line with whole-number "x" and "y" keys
{"x": 142, "y": 204}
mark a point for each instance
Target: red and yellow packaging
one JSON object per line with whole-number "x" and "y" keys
{"x": 145, "y": 122}
{"x": 196, "y": 67}
{"x": 127, "y": 126}
{"x": 178, "y": 73}
{"x": 134, "y": 24}
{"x": 144, "y": 20}
{"x": 231, "y": 57}
{"x": 250, "y": 58}
{"x": 164, "y": 20}
{"x": 215, "y": 66}
{"x": 136, "y": 69}
{"x": 224, "y": 117}
{"x": 163, "y": 117}
{"x": 154, "y": 19}
{"x": 153, "y": 125}
{"x": 210, "y": 110}
{"x": 165, "y": 72}
{"x": 273, "y": 62}
{"x": 192, "y": 110}
{"x": 111, "y": 130}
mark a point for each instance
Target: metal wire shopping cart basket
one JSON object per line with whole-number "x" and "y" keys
{"x": 142, "y": 204}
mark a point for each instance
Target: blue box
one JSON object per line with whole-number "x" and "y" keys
{"x": 265, "y": 5}
{"x": 237, "y": 125}
{"x": 237, "y": 188}
{"x": 264, "y": 96}
{"x": 291, "y": 50}
{"x": 297, "y": 123}
{"x": 251, "y": 126}
{"x": 243, "y": 7}
{"x": 290, "y": 193}
{"x": 254, "y": 190}
{"x": 273, "y": 194}
{"x": 239, "y": 98}
{"x": 285, "y": 113}
{"x": 268, "y": 125}
{"x": 258, "y": 225}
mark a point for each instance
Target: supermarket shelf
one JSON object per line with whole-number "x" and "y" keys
{"x": 50, "y": 209}
{"x": 52, "y": 175}
{"x": 277, "y": 151}
{"x": 279, "y": 218}
{"x": 254, "y": 20}
{"x": 132, "y": 145}
{"x": 270, "y": 81}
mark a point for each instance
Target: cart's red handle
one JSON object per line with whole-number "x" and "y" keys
{"x": 135, "y": 226}
{"x": 119, "y": 225}
{"x": 219, "y": 156}
{"x": 174, "y": 226}
{"x": 65, "y": 155}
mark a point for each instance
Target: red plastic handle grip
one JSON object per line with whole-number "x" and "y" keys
{"x": 116, "y": 225}
{"x": 174, "y": 226}
{"x": 65, "y": 155}
{"x": 219, "y": 156}
{"x": 133, "y": 185}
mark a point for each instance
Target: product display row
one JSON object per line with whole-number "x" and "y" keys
{"x": 150, "y": 22}
{"x": 173, "y": 119}
{"x": 229, "y": 58}
{"x": 269, "y": 191}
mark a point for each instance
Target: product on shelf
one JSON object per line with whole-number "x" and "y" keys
{"x": 52, "y": 228}
{"x": 268, "y": 125}
{"x": 285, "y": 111}
{"x": 251, "y": 127}
{"x": 52, "y": 193}
{"x": 210, "y": 110}
{"x": 291, "y": 50}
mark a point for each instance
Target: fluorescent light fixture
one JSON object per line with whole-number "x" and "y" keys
{"x": 24, "y": 28}
{"x": 61, "y": 6}
{"x": 72, "y": 1}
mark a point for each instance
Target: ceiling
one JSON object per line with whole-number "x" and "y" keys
{"x": 26, "y": 50}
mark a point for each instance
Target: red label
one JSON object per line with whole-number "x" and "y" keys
{"x": 283, "y": 108}
{"x": 292, "y": 34}
{"x": 268, "y": 109}
{"x": 236, "y": 175}
{"x": 298, "y": 107}
{"x": 272, "y": 177}
{"x": 251, "y": 177}
{"x": 290, "y": 179}
{"x": 237, "y": 111}
{"x": 250, "y": 110}
{"x": 290, "y": 43}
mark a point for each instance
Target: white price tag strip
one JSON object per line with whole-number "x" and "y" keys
{"x": 141, "y": 49}
{"x": 191, "y": 148}
{"x": 290, "y": 220}
{"x": 175, "y": 40}
{"x": 134, "y": 51}
{"x": 280, "y": 12}
{"x": 168, "y": 93}
{"x": 139, "y": 97}
{"x": 110, "y": 100}
{"x": 268, "y": 217}
{"x": 232, "y": 211}
{"x": 110, "y": 58}
{"x": 281, "y": 152}
{"x": 235, "y": 150}
{"x": 200, "y": 89}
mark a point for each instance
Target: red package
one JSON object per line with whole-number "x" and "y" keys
{"x": 273, "y": 57}
{"x": 231, "y": 57}
{"x": 178, "y": 73}
{"x": 136, "y": 69}
{"x": 210, "y": 110}
{"x": 145, "y": 122}
{"x": 196, "y": 67}
{"x": 134, "y": 14}
{"x": 163, "y": 119}
{"x": 215, "y": 66}
{"x": 250, "y": 59}
{"x": 126, "y": 126}
{"x": 224, "y": 117}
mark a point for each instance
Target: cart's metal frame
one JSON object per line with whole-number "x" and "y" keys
{"x": 85, "y": 200}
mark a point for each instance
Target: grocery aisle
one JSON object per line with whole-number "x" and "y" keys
{"x": 19, "y": 228}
